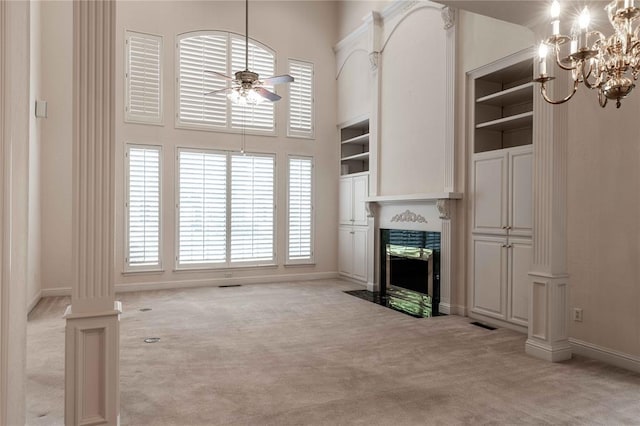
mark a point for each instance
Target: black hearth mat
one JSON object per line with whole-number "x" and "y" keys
{"x": 374, "y": 296}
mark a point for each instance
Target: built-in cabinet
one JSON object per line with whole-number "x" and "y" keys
{"x": 501, "y": 191}
{"x": 354, "y": 190}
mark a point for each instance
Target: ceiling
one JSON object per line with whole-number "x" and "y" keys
{"x": 529, "y": 13}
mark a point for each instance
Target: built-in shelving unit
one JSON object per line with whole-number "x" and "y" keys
{"x": 354, "y": 148}
{"x": 503, "y": 113}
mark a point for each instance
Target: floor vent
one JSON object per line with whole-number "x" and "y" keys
{"x": 479, "y": 324}
{"x": 152, "y": 340}
{"x": 230, "y": 285}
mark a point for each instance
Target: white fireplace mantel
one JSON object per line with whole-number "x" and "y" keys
{"x": 414, "y": 198}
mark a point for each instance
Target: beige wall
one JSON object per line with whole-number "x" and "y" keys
{"x": 351, "y": 12}
{"x": 56, "y": 137}
{"x": 603, "y": 221}
{"x": 300, "y": 30}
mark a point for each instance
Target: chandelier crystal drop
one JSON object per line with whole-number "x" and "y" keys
{"x": 609, "y": 65}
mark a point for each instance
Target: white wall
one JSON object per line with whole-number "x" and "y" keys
{"x": 300, "y": 30}
{"x": 56, "y": 138}
{"x": 35, "y": 125}
{"x": 412, "y": 105}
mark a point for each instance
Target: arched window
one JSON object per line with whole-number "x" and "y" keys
{"x": 222, "y": 52}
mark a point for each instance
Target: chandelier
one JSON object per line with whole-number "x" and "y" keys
{"x": 609, "y": 65}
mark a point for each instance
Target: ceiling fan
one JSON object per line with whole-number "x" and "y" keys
{"x": 247, "y": 86}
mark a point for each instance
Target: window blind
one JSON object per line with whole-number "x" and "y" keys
{"x": 300, "y": 99}
{"x": 202, "y": 207}
{"x": 261, "y": 61}
{"x": 252, "y": 208}
{"x": 197, "y": 54}
{"x": 143, "y": 77}
{"x": 300, "y": 211}
{"x": 143, "y": 207}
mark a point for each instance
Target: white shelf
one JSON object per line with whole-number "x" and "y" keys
{"x": 515, "y": 95}
{"x": 362, "y": 139}
{"x": 508, "y": 123}
{"x": 361, "y": 156}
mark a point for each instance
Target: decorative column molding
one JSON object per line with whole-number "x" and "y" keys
{"x": 92, "y": 330}
{"x": 548, "y": 298}
{"x": 448, "y": 16}
{"x": 14, "y": 179}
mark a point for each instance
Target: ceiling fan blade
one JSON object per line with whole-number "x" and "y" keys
{"x": 278, "y": 79}
{"x": 267, "y": 94}
{"x": 215, "y": 92}
{"x": 226, "y": 77}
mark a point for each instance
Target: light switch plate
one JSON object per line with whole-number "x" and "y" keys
{"x": 41, "y": 109}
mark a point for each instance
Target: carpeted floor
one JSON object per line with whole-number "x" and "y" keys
{"x": 307, "y": 353}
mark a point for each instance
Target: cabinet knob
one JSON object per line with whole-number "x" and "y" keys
{"x": 504, "y": 245}
{"x": 352, "y": 232}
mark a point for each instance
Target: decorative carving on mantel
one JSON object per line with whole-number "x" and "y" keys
{"x": 448, "y": 17}
{"x": 373, "y": 60}
{"x": 444, "y": 207}
{"x": 408, "y": 216}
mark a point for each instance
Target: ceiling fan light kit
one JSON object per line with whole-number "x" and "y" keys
{"x": 246, "y": 86}
{"x": 609, "y": 65}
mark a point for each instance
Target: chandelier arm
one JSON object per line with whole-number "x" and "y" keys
{"x": 543, "y": 91}
{"x": 600, "y": 98}
{"x": 559, "y": 61}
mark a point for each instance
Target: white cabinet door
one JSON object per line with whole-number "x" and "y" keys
{"x": 521, "y": 191}
{"x": 519, "y": 265}
{"x": 345, "y": 214}
{"x": 489, "y": 276}
{"x": 345, "y": 250}
{"x": 359, "y": 253}
{"x": 360, "y": 193}
{"x": 490, "y": 193}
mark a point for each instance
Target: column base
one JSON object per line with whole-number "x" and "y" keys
{"x": 558, "y": 352}
{"x": 92, "y": 367}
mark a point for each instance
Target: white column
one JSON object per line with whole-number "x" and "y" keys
{"x": 445, "y": 208}
{"x": 449, "y": 22}
{"x": 548, "y": 298}
{"x": 92, "y": 332}
{"x": 14, "y": 175}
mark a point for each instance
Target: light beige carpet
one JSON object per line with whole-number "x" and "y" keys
{"x": 306, "y": 353}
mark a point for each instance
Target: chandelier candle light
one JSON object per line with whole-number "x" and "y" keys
{"x": 609, "y": 65}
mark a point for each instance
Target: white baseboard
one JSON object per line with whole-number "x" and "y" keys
{"x": 55, "y": 292}
{"x": 610, "y": 356}
{"x": 34, "y": 301}
{"x": 209, "y": 282}
{"x": 449, "y": 309}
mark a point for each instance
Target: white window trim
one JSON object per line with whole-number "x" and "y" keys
{"x": 228, "y": 264}
{"x": 294, "y": 133}
{"x": 132, "y": 118}
{"x": 209, "y": 127}
{"x": 128, "y": 268}
{"x": 311, "y": 260}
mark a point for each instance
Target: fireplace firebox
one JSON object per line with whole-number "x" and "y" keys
{"x": 410, "y": 271}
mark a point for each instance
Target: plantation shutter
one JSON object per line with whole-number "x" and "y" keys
{"x": 143, "y": 205}
{"x": 252, "y": 208}
{"x": 300, "y": 99}
{"x": 261, "y": 61}
{"x": 202, "y": 207}
{"x": 300, "y": 214}
{"x": 143, "y": 78}
{"x": 196, "y": 55}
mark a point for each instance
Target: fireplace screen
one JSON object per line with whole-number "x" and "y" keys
{"x": 410, "y": 271}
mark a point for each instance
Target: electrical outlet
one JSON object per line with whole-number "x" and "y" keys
{"x": 577, "y": 314}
